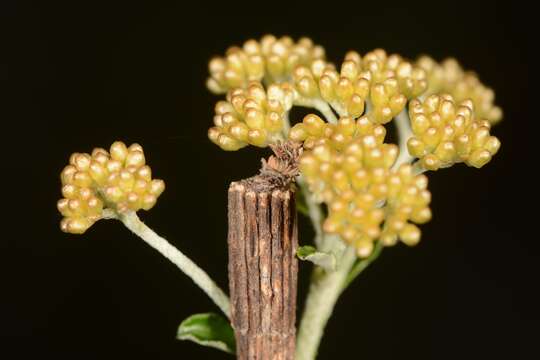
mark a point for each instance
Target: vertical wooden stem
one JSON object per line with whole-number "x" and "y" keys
{"x": 263, "y": 269}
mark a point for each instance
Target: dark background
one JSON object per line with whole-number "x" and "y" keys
{"x": 83, "y": 74}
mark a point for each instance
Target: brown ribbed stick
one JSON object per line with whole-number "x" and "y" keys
{"x": 262, "y": 263}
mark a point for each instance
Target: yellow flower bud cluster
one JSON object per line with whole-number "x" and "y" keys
{"x": 446, "y": 133}
{"x": 251, "y": 116}
{"x": 313, "y": 131}
{"x": 118, "y": 180}
{"x": 348, "y": 166}
{"x": 271, "y": 59}
{"x": 387, "y": 81}
{"x": 407, "y": 201}
{"x": 449, "y": 77}
{"x": 411, "y": 79}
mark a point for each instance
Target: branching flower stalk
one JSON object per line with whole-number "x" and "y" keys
{"x": 315, "y": 212}
{"x": 324, "y": 292}
{"x": 371, "y": 191}
{"x": 404, "y": 131}
{"x": 325, "y": 289}
{"x": 362, "y": 193}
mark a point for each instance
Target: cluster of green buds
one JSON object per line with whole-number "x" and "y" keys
{"x": 446, "y": 133}
{"x": 349, "y": 167}
{"x": 251, "y": 116}
{"x": 449, "y": 77}
{"x": 117, "y": 180}
{"x": 270, "y": 59}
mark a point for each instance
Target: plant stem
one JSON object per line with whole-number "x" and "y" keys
{"x": 418, "y": 168}
{"x": 188, "y": 267}
{"x": 323, "y": 293}
{"x": 403, "y": 125}
{"x": 318, "y": 104}
{"x": 315, "y": 211}
{"x": 286, "y": 124}
{"x": 326, "y": 287}
{"x": 361, "y": 264}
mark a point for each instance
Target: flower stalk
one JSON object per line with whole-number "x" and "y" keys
{"x": 404, "y": 131}
{"x": 185, "y": 264}
{"x": 324, "y": 291}
{"x": 315, "y": 212}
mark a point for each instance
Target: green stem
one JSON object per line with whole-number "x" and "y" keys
{"x": 324, "y": 291}
{"x": 315, "y": 212}
{"x": 185, "y": 264}
{"x": 319, "y": 105}
{"x": 403, "y": 124}
{"x": 418, "y": 168}
{"x": 361, "y": 264}
{"x": 326, "y": 287}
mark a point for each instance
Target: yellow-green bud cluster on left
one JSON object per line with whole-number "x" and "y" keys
{"x": 446, "y": 133}
{"x": 118, "y": 180}
{"x": 251, "y": 116}
{"x": 270, "y": 59}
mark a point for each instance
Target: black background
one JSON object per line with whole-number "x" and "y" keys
{"x": 83, "y": 74}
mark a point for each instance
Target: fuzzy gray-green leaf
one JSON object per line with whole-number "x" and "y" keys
{"x": 208, "y": 329}
{"x": 322, "y": 259}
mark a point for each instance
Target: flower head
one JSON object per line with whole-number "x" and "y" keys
{"x": 270, "y": 58}
{"x": 349, "y": 167}
{"x": 386, "y": 81}
{"x": 446, "y": 133}
{"x": 449, "y": 77}
{"x": 251, "y": 116}
{"x": 117, "y": 180}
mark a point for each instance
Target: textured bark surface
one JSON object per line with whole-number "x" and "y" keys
{"x": 262, "y": 267}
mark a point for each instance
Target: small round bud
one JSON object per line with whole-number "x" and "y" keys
{"x": 76, "y": 225}
{"x": 479, "y": 158}
{"x": 228, "y": 143}
{"x": 148, "y": 201}
{"x": 119, "y": 151}
{"x": 63, "y": 207}
{"x": 410, "y": 235}
{"x": 69, "y": 191}
{"x": 135, "y": 158}
{"x": 82, "y": 161}
{"x": 67, "y": 174}
{"x": 298, "y": 132}
{"x": 364, "y": 248}
{"x": 82, "y": 179}
{"x": 157, "y": 187}
{"x": 257, "y": 137}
